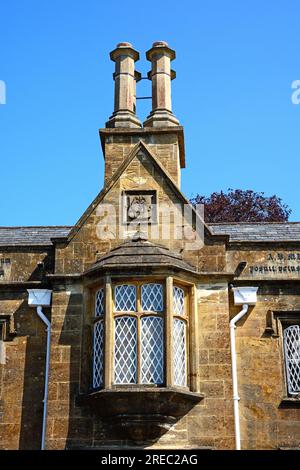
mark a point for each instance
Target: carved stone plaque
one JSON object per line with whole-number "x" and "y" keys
{"x": 139, "y": 207}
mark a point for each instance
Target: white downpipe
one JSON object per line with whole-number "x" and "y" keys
{"x": 45, "y": 400}
{"x": 236, "y": 397}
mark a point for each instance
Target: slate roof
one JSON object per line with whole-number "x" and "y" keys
{"x": 261, "y": 232}
{"x": 238, "y": 232}
{"x": 142, "y": 253}
{"x": 30, "y": 236}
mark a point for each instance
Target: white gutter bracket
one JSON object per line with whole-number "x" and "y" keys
{"x": 242, "y": 296}
{"x": 42, "y": 298}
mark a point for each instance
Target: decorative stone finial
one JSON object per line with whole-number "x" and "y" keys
{"x": 140, "y": 235}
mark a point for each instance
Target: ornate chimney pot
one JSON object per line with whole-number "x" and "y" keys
{"x": 125, "y": 78}
{"x": 160, "y": 56}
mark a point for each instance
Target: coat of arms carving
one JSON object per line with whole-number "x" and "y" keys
{"x": 140, "y": 207}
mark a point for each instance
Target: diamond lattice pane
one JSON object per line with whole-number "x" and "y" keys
{"x": 98, "y": 354}
{"x": 292, "y": 358}
{"x": 178, "y": 300}
{"x": 152, "y": 350}
{"x": 152, "y": 298}
{"x": 99, "y": 307}
{"x": 179, "y": 352}
{"x": 125, "y": 298}
{"x": 125, "y": 350}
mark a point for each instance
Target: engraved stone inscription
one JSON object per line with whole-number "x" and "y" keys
{"x": 278, "y": 263}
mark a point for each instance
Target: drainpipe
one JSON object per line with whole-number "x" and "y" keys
{"x": 242, "y": 296}
{"x": 41, "y": 298}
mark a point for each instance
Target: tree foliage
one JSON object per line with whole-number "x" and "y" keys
{"x": 237, "y": 205}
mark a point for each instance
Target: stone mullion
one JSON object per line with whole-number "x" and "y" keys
{"x": 194, "y": 341}
{"x": 109, "y": 329}
{"x": 169, "y": 332}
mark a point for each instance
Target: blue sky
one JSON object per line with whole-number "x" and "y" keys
{"x": 235, "y": 64}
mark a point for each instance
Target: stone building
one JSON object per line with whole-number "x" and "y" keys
{"x": 143, "y": 328}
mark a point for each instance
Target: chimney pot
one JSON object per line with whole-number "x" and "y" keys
{"x": 160, "y": 43}
{"x": 124, "y": 44}
{"x": 125, "y": 77}
{"x": 160, "y": 56}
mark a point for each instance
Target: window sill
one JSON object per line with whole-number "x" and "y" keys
{"x": 290, "y": 402}
{"x": 140, "y": 400}
{"x": 139, "y": 413}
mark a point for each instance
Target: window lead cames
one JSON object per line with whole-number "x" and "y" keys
{"x": 138, "y": 331}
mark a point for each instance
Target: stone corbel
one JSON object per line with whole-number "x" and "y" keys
{"x": 271, "y": 326}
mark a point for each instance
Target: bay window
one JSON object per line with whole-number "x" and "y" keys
{"x": 139, "y": 334}
{"x": 142, "y": 335}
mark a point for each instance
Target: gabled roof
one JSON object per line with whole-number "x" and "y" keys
{"x": 46, "y": 236}
{"x": 140, "y": 146}
{"x": 235, "y": 232}
{"x": 258, "y": 231}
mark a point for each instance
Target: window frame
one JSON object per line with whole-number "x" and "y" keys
{"x": 185, "y": 319}
{"x": 287, "y": 373}
{"x": 139, "y": 314}
{"x": 168, "y": 315}
{"x": 283, "y": 320}
{"x": 98, "y": 319}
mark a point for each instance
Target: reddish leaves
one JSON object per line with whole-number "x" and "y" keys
{"x": 242, "y": 206}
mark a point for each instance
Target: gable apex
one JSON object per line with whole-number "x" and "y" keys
{"x": 143, "y": 148}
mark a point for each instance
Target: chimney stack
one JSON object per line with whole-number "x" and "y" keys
{"x": 125, "y": 78}
{"x": 160, "y": 56}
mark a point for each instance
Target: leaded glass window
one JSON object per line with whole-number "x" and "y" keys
{"x": 179, "y": 352}
{"x": 98, "y": 354}
{"x": 99, "y": 310}
{"x": 152, "y": 350}
{"x": 291, "y": 339}
{"x": 139, "y": 332}
{"x": 152, "y": 298}
{"x": 125, "y": 350}
{"x": 125, "y": 298}
{"x": 178, "y": 300}
{"x": 137, "y": 323}
{"x": 98, "y": 349}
